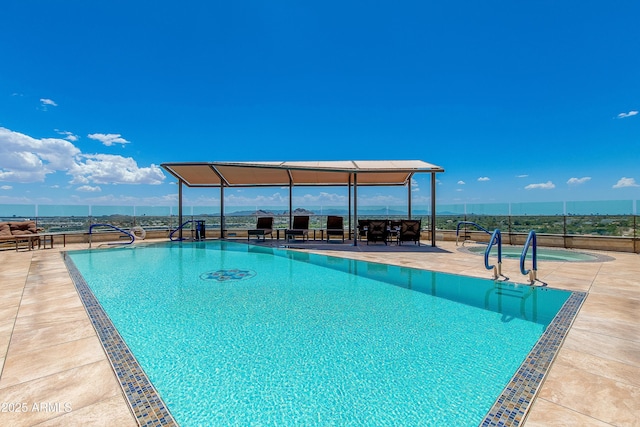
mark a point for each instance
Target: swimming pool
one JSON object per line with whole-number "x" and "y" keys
{"x": 544, "y": 254}
{"x": 232, "y": 334}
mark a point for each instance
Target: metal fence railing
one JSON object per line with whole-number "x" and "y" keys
{"x": 610, "y": 218}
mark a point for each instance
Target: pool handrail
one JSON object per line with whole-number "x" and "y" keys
{"x": 468, "y": 223}
{"x": 189, "y": 221}
{"x": 129, "y": 234}
{"x": 531, "y": 242}
{"x": 199, "y": 232}
{"x": 496, "y": 238}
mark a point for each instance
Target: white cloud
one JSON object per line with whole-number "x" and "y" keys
{"x": 626, "y": 182}
{"x": 461, "y": 182}
{"x": 542, "y": 186}
{"x": 625, "y": 115}
{"x": 68, "y": 135}
{"x": 110, "y": 200}
{"x": 484, "y": 178}
{"x": 108, "y": 139}
{"x": 577, "y": 181}
{"x": 6, "y": 187}
{"x": 89, "y": 189}
{"x": 112, "y": 169}
{"x": 26, "y": 159}
{"x": 522, "y": 176}
{"x": 47, "y": 102}
{"x": 323, "y": 198}
{"x": 274, "y": 199}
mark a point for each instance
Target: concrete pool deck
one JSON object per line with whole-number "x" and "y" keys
{"x": 55, "y": 372}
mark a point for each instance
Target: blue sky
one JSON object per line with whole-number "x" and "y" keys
{"x": 517, "y": 101}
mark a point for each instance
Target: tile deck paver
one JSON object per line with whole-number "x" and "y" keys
{"x": 50, "y": 356}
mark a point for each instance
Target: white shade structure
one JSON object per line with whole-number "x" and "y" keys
{"x": 351, "y": 173}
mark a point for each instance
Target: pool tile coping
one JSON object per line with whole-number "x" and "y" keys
{"x": 509, "y": 410}
{"x": 512, "y": 406}
{"x": 144, "y": 401}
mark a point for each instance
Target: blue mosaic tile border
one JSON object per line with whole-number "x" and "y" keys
{"x": 512, "y": 406}
{"x": 145, "y": 402}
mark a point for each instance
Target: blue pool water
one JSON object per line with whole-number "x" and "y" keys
{"x": 232, "y": 334}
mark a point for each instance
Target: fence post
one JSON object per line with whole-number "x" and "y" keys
{"x": 635, "y": 233}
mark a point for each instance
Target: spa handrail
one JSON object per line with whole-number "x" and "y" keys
{"x": 496, "y": 238}
{"x": 531, "y": 242}
{"x": 130, "y": 235}
{"x": 468, "y": 223}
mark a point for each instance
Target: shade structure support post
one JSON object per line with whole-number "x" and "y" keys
{"x": 355, "y": 209}
{"x": 290, "y": 203}
{"x": 349, "y": 204}
{"x": 433, "y": 209}
{"x": 221, "y": 210}
{"x": 180, "y": 209}
{"x": 409, "y": 199}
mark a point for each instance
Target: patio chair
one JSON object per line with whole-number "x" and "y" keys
{"x": 363, "y": 225}
{"x": 394, "y": 229}
{"x": 300, "y": 228}
{"x": 409, "y": 231}
{"x": 377, "y": 231}
{"x": 335, "y": 227}
{"x": 264, "y": 226}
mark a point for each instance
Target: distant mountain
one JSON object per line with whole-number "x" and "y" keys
{"x": 261, "y": 212}
{"x": 302, "y": 211}
{"x": 362, "y": 211}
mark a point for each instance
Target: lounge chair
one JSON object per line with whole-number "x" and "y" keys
{"x": 300, "y": 228}
{"x": 409, "y": 231}
{"x": 335, "y": 227}
{"x": 377, "y": 231}
{"x": 264, "y": 226}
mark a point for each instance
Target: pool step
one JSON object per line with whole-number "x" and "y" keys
{"x": 500, "y": 289}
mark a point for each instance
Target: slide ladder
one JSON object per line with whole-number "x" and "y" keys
{"x": 128, "y": 234}
{"x": 468, "y": 223}
{"x": 531, "y": 242}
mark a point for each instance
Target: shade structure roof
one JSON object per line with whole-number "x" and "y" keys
{"x": 317, "y": 173}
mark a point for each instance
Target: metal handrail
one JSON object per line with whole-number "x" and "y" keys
{"x": 192, "y": 221}
{"x": 468, "y": 223}
{"x": 178, "y": 229}
{"x": 531, "y": 242}
{"x": 496, "y": 238}
{"x": 131, "y": 236}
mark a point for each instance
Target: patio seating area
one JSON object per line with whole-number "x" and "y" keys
{"x": 24, "y": 234}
